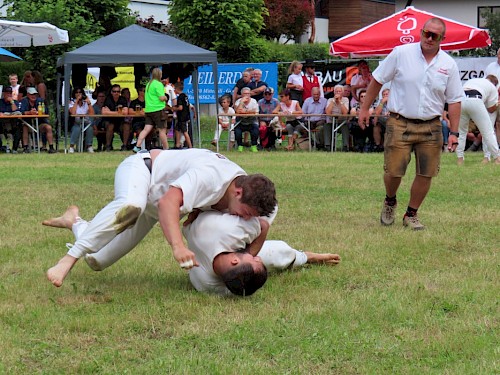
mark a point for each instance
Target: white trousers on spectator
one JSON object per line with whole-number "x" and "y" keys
{"x": 475, "y": 110}
{"x": 218, "y": 134}
{"x": 113, "y": 230}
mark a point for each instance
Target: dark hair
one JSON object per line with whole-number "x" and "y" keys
{"x": 258, "y": 192}
{"x": 243, "y": 280}
{"x": 493, "y": 79}
{"x": 116, "y": 86}
{"x": 77, "y": 89}
{"x": 285, "y": 92}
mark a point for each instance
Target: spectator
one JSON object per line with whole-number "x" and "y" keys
{"x": 183, "y": 112}
{"x": 246, "y": 105}
{"x": 316, "y": 105}
{"x": 294, "y": 82}
{"x": 136, "y": 107}
{"x": 359, "y": 134}
{"x": 289, "y": 109}
{"x": 9, "y": 105}
{"x": 360, "y": 81}
{"x": 266, "y": 131}
{"x": 155, "y": 100}
{"x": 40, "y": 85}
{"x": 14, "y": 84}
{"x": 28, "y": 80}
{"x": 29, "y": 106}
{"x": 310, "y": 80}
{"x": 338, "y": 105}
{"x": 115, "y": 104}
{"x": 494, "y": 69}
{"x": 98, "y": 124}
{"x": 244, "y": 81}
{"x": 102, "y": 85}
{"x": 257, "y": 85}
{"x": 81, "y": 105}
{"x": 379, "y": 122}
{"x": 445, "y": 123}
{"x": 348, "y": 94}
{"x": 225, "y": 122}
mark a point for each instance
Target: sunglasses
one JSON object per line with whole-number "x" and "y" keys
{"x": 115, "y": 91}
{"x": 429, "y": 34}
{"x": 268, "y": 93}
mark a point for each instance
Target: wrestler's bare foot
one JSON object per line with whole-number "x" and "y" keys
{"x": 58, "y": 273}
{"x": 485, "y": 161}
{"x": 329, "y": 259}
{"x": 66, "y": 220}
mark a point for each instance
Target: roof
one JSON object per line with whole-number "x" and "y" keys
{"x": 136, "y": 44}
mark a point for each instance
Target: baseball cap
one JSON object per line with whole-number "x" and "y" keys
{"x": 7, "y": 89}
{"x": 31, "y": 90}
{"x": 269, "y": 90}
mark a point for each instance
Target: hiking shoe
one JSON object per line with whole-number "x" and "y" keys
{"x": 254, "y": 149}
{"x": 90, "y": 150}
{"x": 413, "y": 222}
{"x": 52, "y": 151}
{"x": 388, "y": 214}
{"x": 109, "y": 148}
{"x": 240, "y": 148}
{"x": 71, "y": 150}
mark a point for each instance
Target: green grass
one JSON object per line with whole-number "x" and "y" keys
{"x": 400, "y": 302}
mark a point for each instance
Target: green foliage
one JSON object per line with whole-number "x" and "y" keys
{"x": 289, "y": 18}
{"x": 226, "y": 26}
{"x": 493, "y": 26}
{"x": 85, "y": 21}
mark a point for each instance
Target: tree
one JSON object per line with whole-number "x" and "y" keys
{"x": 287, "y": 17}
{"x": 226, "y": 26}
{"x": 85, "y": 21}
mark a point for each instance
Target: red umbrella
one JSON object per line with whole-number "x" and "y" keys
{"x": 404, "y": 27}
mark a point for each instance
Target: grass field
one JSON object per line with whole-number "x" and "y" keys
{"x": 400, "y": 302}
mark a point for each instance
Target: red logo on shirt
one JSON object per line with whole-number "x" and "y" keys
{"x": 443, "y": 71}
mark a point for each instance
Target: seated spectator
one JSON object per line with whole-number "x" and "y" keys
{"x": 294, "y": 82}
{"x": 29, "y": 106}
{"x": 379, "y": 122}
{"x": 266, "y": 131}
{"x": 9, "y": 105}
{"x": 359, "y": 135}
{"x": 14, "y": 84}
{"x": 115, "y": 104}
{"x": 289, "y": 109}
{"x": 246, "y": 105}
{"x": 338, "y": 105}
{"x": 80, "y": 105}
{"x": 316, "y": 105}
{"x": 98, "y": 123}
{"x": 225, "y": 122}
{"x": 136, "y": 107}
{"x": 348, "y": 94}
{"x": 257, "y": 85}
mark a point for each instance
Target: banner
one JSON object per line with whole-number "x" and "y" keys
{"x": 229, "y": 74}
{"x": 473, "y": 67}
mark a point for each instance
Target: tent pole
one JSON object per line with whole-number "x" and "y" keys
{"x": 197, "y": 104}
{"x": 216, "y": 96}
{"x": 67, "y": 75}
{"x": 58, "y": 109}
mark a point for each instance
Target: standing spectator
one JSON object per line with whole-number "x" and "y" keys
{"x": 40, "y": 85}
{"x": 14, "y": 84}
{"x": 102, "y": 85}
{"x": 257, "y": 85}
{"x": 246, "y": 106}
{"x": 423, "y": 78}
{"x": 81, "y": 105}
{"x": 27, "y": 80}
{"x": 380, "y": 121}
{"x": 294, "y": 82}
{"x": 155, "y": 99}
{"x": 289, "y": 109}
{"x": 244, "y": 81}
{"x": 136, "y": 107}
{"x": 316, "y": 105}
{"x": 29, "y": 106}
{"x": 338, "y": 105}
{"x": 310, "y": 80}
{"x": 360, "y": 81}
{"x": 358, "y": 133}
{"x": 225, "y": 122}
{"x": 183, "y": 111}
{"x": 97, "y": 122}
{"x": 115, "y": 104}
{"x": 9, "y": 105}
{"x": 266, "y": 131}
{"x": 480, "y": 106}
{"x": 127, "y": 121}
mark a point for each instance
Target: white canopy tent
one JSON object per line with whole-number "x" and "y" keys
{"x": 23, "y": 34}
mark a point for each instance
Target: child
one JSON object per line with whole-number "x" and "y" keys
{"x": 13, "y": 79}
{"x": 225, "y": 122}
{"x": 183, "y": 116}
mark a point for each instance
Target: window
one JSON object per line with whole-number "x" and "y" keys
{"x": 481, "y": 11}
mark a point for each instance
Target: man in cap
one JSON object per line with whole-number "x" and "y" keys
{"x": 310, "y": 80}
{"x": 266, "y": 131}
{"x": 29, "y": 106}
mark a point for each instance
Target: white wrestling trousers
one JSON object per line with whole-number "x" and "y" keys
{"x": 112, "y": 229}
{"x": 474, "y": 109}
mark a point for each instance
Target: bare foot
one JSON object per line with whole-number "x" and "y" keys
{"x": 485, "y": 161}
{"x": 66, "y": 220}
{"x": 58, "y": 273}
{"x": 497, "y": 161}
{"x": 329, "y": 259}
{"x": 460, "y": 161}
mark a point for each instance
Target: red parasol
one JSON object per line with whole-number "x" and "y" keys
{"x": 404, "y": 27}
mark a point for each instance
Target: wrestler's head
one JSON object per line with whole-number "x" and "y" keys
{"x": 255, "y": 195}
{"x": 243, "y": 273}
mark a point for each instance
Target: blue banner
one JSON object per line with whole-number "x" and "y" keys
{"x": 228, "y": 75}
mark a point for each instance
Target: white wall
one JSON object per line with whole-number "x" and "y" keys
{"x": 465, "y": 11}
{"x": 147, "y": 8}
{"x": 321, "y": 32}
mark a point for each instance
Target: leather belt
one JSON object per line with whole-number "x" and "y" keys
{"x": 414, "y": 120}
{"x": 473, "y": 94}
{"x": 146, "y": 156}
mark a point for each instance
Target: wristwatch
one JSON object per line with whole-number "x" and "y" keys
{"x": 456, "y": 134}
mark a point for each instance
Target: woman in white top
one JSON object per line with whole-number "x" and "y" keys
{"x": 287, "y": 106}
{"x": 81, "y": 105}
{"x": 294, "y": 82}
